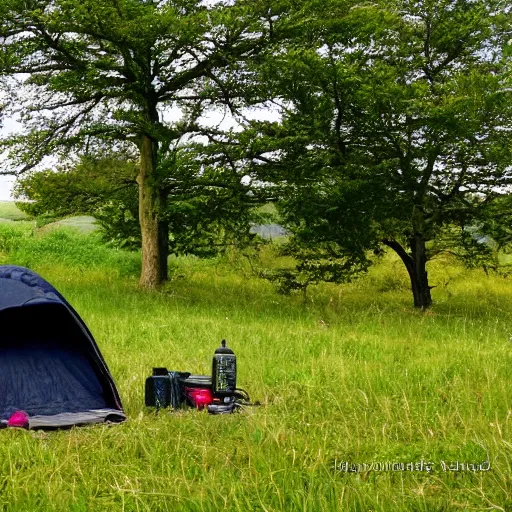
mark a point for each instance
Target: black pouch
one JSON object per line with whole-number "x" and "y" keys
{"x": 158, "y": 389}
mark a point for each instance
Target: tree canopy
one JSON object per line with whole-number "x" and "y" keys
{"x": 394, "y": 127}
{"x": 131, "y": 74}
{"x": 395, "y": 132}
{"x": 208, "y": 209}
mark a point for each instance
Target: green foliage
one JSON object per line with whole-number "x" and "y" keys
{"x": 207, "y": 207}
{"x": 103, "y": 186}
{"x": 100, "y": 69}
{"x": 302, "y": 266}
{"x": 395, "y": 129}
{"x": 77, "y": 189}
{"x": 394, "y": 121}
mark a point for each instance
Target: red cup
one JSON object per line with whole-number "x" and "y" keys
{"x": 199, "y": 398}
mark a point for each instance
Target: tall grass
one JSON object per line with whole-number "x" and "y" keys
{"x": 352, "y": 374}
{"x": 24, "y": 245}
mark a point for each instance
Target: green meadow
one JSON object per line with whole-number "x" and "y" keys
{"x": 347, "y": 374}
{"x": 8, "y": 212}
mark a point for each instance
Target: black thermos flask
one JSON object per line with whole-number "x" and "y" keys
{"x": 224, "y": 372}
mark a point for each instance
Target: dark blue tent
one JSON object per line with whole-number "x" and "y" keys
{"x": 50, "y": 365}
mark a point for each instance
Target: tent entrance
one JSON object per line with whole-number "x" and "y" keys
{"x": 46, "y": 365}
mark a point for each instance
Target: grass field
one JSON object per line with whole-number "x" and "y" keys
{"x": 350, "y": 374}
{"x": 9, "y": 211}
{"x": 83, "y": 223}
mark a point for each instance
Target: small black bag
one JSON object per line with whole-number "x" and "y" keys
{"x": 164, "y": 389}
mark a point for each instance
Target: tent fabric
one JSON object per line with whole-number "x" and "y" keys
{"x": 50, "y": 365}
{"x": 65, "y": 420}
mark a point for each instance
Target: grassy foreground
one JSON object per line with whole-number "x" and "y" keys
{"x": 353, "y": 374}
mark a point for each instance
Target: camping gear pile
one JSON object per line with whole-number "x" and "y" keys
{"x": 218, "y": 392}
{"x": 52, "y": 374}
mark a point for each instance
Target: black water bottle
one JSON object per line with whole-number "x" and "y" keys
{"x": 224, "y": 372}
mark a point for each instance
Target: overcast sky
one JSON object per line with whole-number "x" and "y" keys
{"x": 214, "y": 117}
{"x": 5, "y": 188}
{"x": 6, "y": 182}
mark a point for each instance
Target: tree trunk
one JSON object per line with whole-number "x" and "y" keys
{"x": 419, "y": 276}
{"x": 163, "y": 236}
{"x": 153, "y": 231}
{"x": 415, "y": 263}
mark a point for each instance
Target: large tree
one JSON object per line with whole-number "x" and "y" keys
{"x": 395, "y": 133}
{"x": 210, "y": 205}
{"x": 139, "y": 73}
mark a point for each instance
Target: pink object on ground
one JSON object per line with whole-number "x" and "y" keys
{"x": 199, "y": 397}
{"x": 18, "y": 419}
